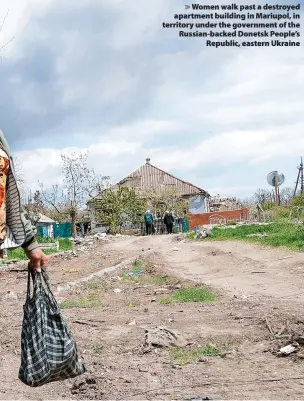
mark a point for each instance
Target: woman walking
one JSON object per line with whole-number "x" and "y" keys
{"x": 168, "y": 221}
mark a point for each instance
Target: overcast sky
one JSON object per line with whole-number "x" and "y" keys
{"x": 104, "y": 76}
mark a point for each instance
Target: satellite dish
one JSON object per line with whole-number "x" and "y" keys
{"x": 275, "y": 179}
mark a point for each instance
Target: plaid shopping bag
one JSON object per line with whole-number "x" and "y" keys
{"x": 48, "y": 349}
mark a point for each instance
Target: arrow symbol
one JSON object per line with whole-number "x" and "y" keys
{"x": 186, "y": 7}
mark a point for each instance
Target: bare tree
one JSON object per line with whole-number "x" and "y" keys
{"x": 263, "y": 197}
{"x": 80, "y": 184}
{"x": 19, "y": 173}
{"x": 3, "y": 45}
{"x": 34, "y": 206}
{"x": 286, "y": 195}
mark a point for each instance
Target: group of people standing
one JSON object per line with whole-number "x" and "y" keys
{"x": 168, "y": 220}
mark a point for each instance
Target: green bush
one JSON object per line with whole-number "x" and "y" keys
{"x": 298, "y": 201}
{"x": 65, "y": 244}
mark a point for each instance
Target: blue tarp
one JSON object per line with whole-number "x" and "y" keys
{"x": 197, "y": 204}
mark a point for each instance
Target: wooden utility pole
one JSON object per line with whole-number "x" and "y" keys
{"x": 276, "y": 186}
{"x": 300, "y": 179}
{"x": 302, "y": 176}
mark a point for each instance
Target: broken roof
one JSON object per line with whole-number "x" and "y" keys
{"x": 150, "y": 177}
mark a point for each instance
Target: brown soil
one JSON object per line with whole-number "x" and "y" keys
{"x": 251, "y": 284}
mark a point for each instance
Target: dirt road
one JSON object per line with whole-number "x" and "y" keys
{"x": 236, "y": 267}
{"x": 250, "y": 283}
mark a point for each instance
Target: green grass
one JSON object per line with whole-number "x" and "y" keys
{"x": 96, "y": 285}
{"x": 165, "y": 301}
{"x": 162, "y": 280}
{"x": 196, "y": 294}
{"x": 280, "y": 234}
{"x": 137, "y": 264}
{"x": 184, "y": 356}
{"x": 16, "y": 254}
{"x": 65, "y": 244}
{"x": 193, "y": 294}
{"x": 190, "y": 235}
{"x": 91, "y": 301}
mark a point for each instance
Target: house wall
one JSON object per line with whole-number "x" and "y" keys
{"x": 45, "y": 230}
{"x": 196, "y": 220}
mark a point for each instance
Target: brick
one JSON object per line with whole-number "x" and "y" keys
{"x": 196, "y": 220}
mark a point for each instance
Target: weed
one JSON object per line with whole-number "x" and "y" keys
{"x": 96, "y": 285}
{"x": 190, "y": 235}
{"x": 162, "y": 280}
{"x": 184, "y": 356}
{"x": 196, "y": 294}
{"x": 166, "y": 301}
{"x": 137, "y": 264}
{"x": 97, "y": 348}
{"x": 65, "y": 244}
{"x": 158, "y": 280}
{"x": 131, "y": 304}
{"x": 90, "y": 302}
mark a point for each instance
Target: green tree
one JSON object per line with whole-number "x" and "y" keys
{"x": 116, "y": 207}
{"x": 168, "y": 199}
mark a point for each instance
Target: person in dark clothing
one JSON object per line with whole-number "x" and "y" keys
{"x": 168, "y": 221}
{"x": 148, "y": 222}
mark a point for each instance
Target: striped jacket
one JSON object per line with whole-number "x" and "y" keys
{"x": 19, "y": 229}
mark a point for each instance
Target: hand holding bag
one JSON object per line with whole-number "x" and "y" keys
{"x": 48, "y": 349}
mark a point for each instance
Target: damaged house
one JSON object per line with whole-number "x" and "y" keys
{"x": 151, "y": 181}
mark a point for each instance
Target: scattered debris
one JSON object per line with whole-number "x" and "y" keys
{"x": 78, "y": 241}
{"x": 282, "y": 331}
{"x": 100, "y": 235}
{"x": 269, "y": 326}
{"x": 85, "y": 323}
{"x": 95, "y": 265}
{"x": 117, "y": 290}
{"x": 159, "y": 291}
{"x": 288, "y": 349}
{"x": 175, "y": 249}
{"x": 203, "y": 233}
{"x": 134, "y": 272}
{"x": 164, "y": 337}
{"x": 179, "y": 238}
{"x": 300, "y": 340}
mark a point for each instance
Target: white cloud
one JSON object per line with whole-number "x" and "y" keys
{"x": 238, "y": 106}
{"x": 18, "y": 14}
{"x": 112, "y": 155}
{"x": 247, "y": 146}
